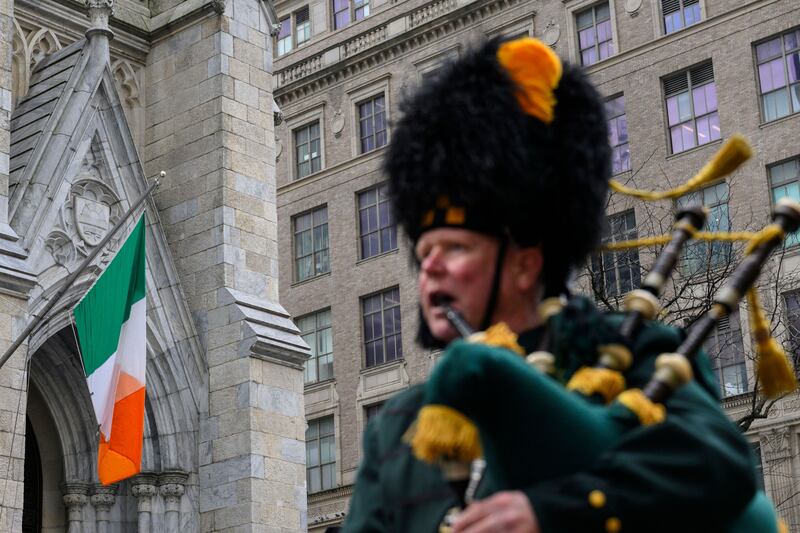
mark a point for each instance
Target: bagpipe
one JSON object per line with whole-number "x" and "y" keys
{"x": 471, "y": 387}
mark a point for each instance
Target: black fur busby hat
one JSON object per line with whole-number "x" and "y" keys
{"x": 509, "y": 142}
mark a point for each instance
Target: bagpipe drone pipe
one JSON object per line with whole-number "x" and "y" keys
{"x": 475, "y": 387}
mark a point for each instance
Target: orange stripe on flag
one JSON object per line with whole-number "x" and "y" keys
{"x": 120, "y": 456}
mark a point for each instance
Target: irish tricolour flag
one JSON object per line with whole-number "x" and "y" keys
{"x": 111, "y": 331}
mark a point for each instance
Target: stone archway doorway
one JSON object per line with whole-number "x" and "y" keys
{"x": 43, "y": 509}
{"x": 32, "y": 495}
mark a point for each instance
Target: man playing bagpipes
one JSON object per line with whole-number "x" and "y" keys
{"x": 499, "y": 171}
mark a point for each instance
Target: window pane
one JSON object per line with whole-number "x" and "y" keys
{"x": 687, "y": 134}
{"x": 672, "y": 110}
{"x": 711, "y": 96}
{"x": 699, "y": 98}
{"x": 328, "y": 477}
{"x": 768, "y": 49}
{"x": 604, "y": 31}
{"x": 602, "y": 12}
{"x": 584, "y": 19}
{"x": 713, "y": 122}
{"x": 684, "y": 107}
{"x": 776, "y": 104}
{"x": 677, "y": 139}
{"x": 587, "y": 38}
{"x": 703, "y": 135}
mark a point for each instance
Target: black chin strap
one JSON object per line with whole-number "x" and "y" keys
{"x": 491, "y": 304}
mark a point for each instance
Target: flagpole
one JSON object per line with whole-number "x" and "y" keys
{"x": 72, "y": 277}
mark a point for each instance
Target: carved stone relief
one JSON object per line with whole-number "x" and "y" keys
{"x": 29, "y": 45}
{"x": 127, "y": 79}
{"x": 90, "y": 211}
{"x": 337, "y": 123}
{"x": 776, "y": 444}
{"x": 632, "y": 7}
{"x": 552, "y": 32}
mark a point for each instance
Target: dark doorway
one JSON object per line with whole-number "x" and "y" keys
{"x": 32, "y": 499}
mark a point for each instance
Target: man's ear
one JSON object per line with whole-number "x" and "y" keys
{"x": 528, "y": 267}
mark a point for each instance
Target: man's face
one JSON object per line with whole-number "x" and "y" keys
{"x": 456, "y": 266}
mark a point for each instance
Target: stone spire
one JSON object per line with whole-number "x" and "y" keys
{"x": 99, "y": 34}
{"x": 99, "y": 13}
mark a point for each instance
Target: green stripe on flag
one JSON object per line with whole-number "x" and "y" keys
{"x": 101, "y": 313}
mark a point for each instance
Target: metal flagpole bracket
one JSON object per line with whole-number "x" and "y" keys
{"x": 72, "y": 277}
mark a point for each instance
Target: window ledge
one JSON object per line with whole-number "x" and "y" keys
{"x": 319, "y": 385}
{"x": 778, "y": 120}
{"x": 695, "y": 149}
{"x": 308, "y": 176}
{"x": 377, "y": 256}
{"x": 309, "y": 280}
{"x": 377, "y": 369}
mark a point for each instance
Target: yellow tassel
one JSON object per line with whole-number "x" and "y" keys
{"x": 729, "y": 157}
{"x": 782, "y": 527}
{"x": 499, "y": 335}
{"x": 441, "y": 432}
{"x": 649, "y": 413}
{"x": 774, "y": 371}
{"x": 603, "y": 381}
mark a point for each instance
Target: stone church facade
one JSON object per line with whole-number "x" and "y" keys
{"x": 97, "y": 97}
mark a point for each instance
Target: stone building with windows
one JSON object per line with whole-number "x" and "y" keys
{"x": 97, "y": 97}
{"x": 680, "y": 77}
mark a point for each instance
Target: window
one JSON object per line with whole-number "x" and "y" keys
{"x": 311, "y": 256}
{"x": 618, "y": 134}
{"x": 372, "y": 123}
{"x": 382, "y": 340}
{"x": 692, "y": 108}
{"x": 698, "y": 256}
{"x": 779, "y": 75}
{"x": 594, "y": 34}
{"x": 371, "y": 411}
{"x": 376, "y": 223}
{"x": 285, "y": 36}
{"x": 784, "y": 181}
{"x": 316, "y": 331}
{"x": 679, "y": 14}
{"x": 308, "y": 155}
{"x": 726, "y": 350}
{"x": 302, "y": 30}
{"x": 616, "y": 273}
{"x": 342, "y": 9}
{"x": 792, "y": 301}
{"x": 759, "y": 465}
{"x": 320, "y": 455}
{"x": 302, "y": 24}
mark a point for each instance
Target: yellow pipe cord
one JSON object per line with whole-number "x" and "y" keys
{"x": 732, "y": 154}
{"x": 659, "y": 240}
{"x": 649, "y": 413}
{"x": 603, "y": 381}
{"x": 441, "y": 432}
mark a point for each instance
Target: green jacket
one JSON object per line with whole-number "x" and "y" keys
{"x": 693, "y": 472}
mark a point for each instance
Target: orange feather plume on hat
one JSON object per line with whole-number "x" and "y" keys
{"x": 536, "y": 70}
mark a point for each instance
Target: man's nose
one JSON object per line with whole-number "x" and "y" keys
{"x": 433, "y": 262}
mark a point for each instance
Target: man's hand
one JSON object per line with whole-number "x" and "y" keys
{"x": 508, "y": 511}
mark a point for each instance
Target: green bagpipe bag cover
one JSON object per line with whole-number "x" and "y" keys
{"x": 532, "y": 429}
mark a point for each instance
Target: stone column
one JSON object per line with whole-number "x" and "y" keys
{"x": 776, "y": 449}
{"x": 75, "y": 497}
{"x": 172, "y": 485}
{"x": 103, "y": 498}
{"x": 144, "y": 488}
{"x": 210, "y": 127}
